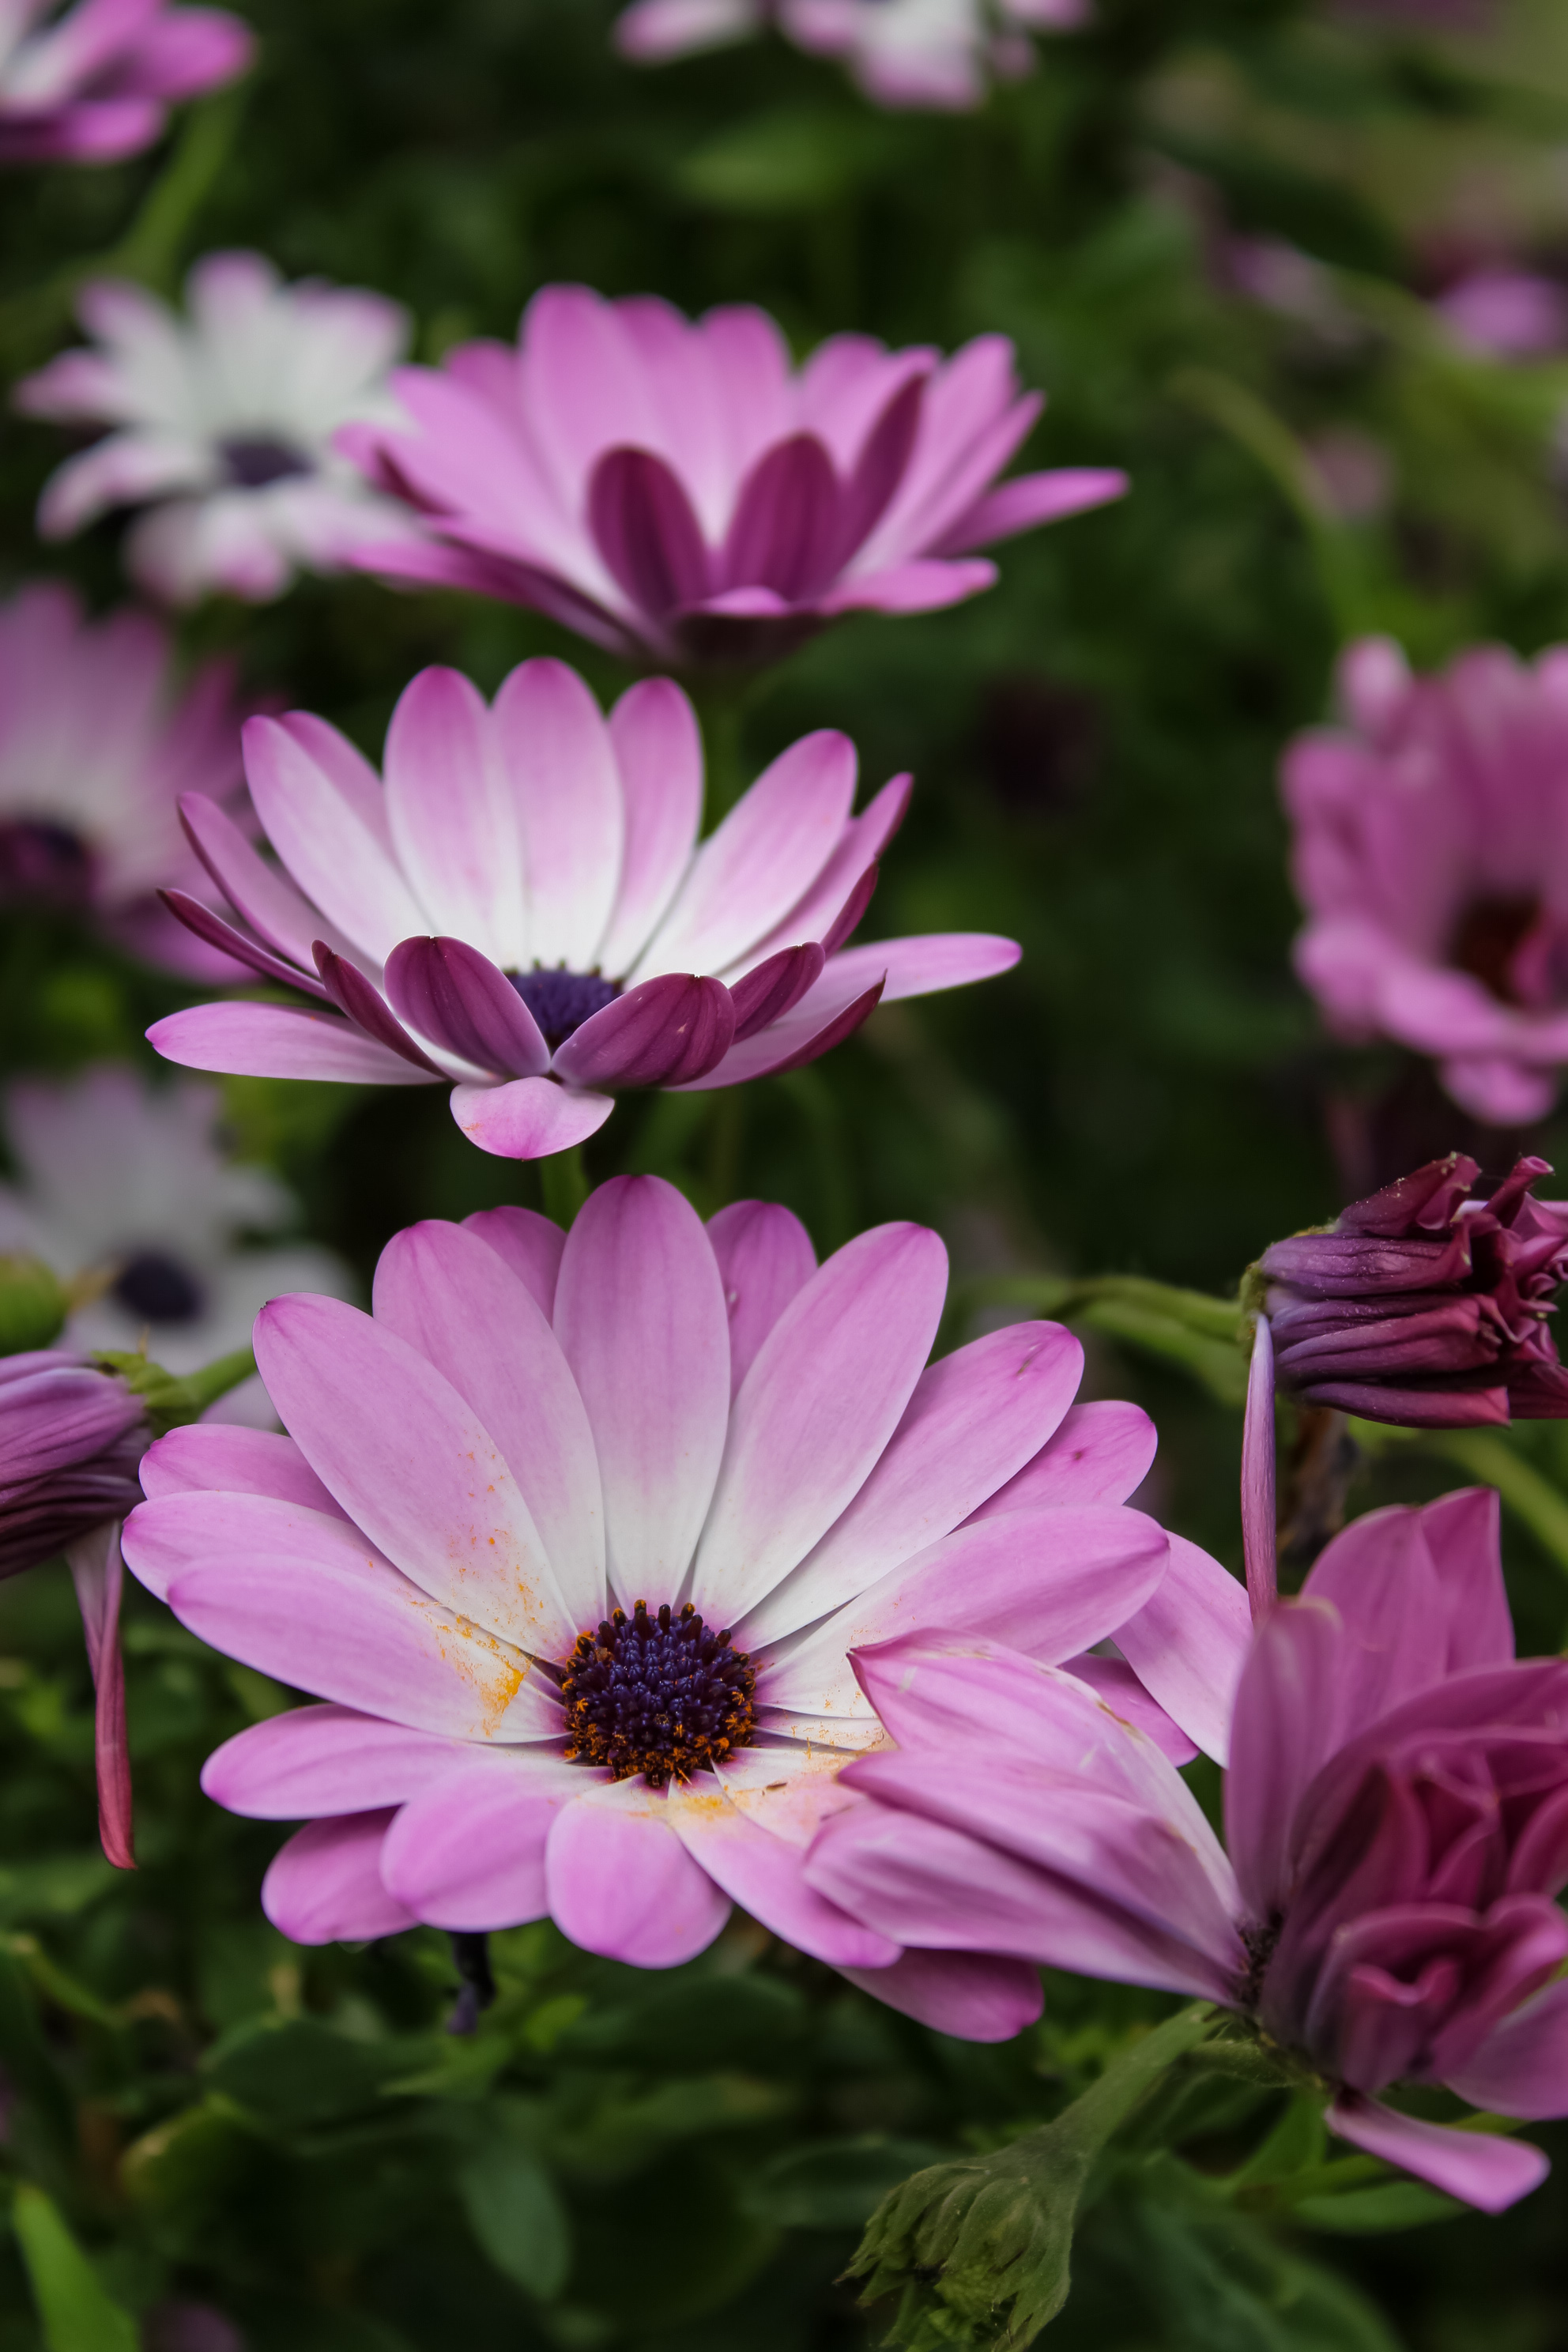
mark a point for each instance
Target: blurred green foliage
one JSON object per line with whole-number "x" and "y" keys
{"x": 194, "y": 2111}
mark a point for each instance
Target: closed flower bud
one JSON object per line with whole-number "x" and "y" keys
{"x": 71, "y": 1436}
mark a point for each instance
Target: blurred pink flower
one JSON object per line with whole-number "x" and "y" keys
{"x": 904, "y": 53}
{"x": 525, "y": 913}
{"x": 516, "y": 1507}
{"x": 88, "y": 83}
{"x": 223, "y": 425}
{"x": 97, "y": 747}
{"x": 1507, "y": 313}
{"x": 1431, "y": 855}
{"x": 1396, "y": 1811}
{"x": 678, "y": 487}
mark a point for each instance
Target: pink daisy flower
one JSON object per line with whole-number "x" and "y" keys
{"x": 1394, "y": 1816}
{"x": 571, "y": 1539}
{"x": 678, "y": 487}
{"x": 91, "y": 83}
{"x": 523, "y": 911}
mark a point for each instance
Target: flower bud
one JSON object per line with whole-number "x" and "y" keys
{"x": 71, "y": 1436}
{"x": 33, "y": 1305}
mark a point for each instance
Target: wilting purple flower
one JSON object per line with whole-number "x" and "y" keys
{"x": 573, "y": 1536}
{"x": 904, "y": 53}
{"x": 523, "y": 909}
{"x": 71, "y": 1437}
{"x": 96, "y": 748}
{"x": 1396, "y": 1814}
{"x": 678, "y": 488}
{"x": 1424, "y": 1307}
{"x": 222, "y": 426}
{"x": 1431, "y": 855}
{"x": 91, "y": 83}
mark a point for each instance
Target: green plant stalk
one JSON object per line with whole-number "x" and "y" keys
{"x": 563, "y": 1181}
{"x": 171, "y": 1401}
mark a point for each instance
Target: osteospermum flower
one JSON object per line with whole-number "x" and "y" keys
{"x": 97, "y": 746}
{"x": 678, "y": 488}
{"x": 222, "y": 424}
{"x": 125, "y": 1191}
{"x": 523, "y": 909}
{"x": 91, "y": 83}
{"x": 1394, "y": 1811}
{"x": 913, "y": 53}
{"x": 1431, "y": 855}
{"x": 573, "y": 1538}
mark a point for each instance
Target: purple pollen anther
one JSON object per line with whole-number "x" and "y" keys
{"x": 658, "y": 1694}
{"x": 560, "y": 1001}
{"x": 158, "y": 1288}
{"x": 255, "y": 460}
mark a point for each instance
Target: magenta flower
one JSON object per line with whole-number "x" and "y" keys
{"x": 523, "y": 911}
{"x": 1505, "y": 312}
{"x": 573, "y": 1538}
{"x": 1422, "y": 1306}
{"x": 71, "y": 1437}
{"x": 1395, "y": 1813}
{"x": 678, "y": 488}
{"x": 1431, "y": 855}
{"x": 97, "y": 747}
{"x": 91, "y": 83}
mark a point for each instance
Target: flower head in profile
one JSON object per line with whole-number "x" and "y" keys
{"x": 678, "y": 488}
{"x": 221, "y": 425}
{"x": 1394, "y": 1806}
{"x": 1431, "y": 855}
{"x": 90, "y": 82}
{"x": 523, "y": 911}
{"x": 572, "y": 1539}
{"x": 98, "y": 744}
{"x": 124, "y": 1190}
{"x": 902, "y": 53}
{"x": 1423, "y": 1306}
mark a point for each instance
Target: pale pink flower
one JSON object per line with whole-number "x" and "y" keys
{"x": 1506, "y": 312}
{"x": 90, "y": 83}
{"x": 679, "y": 487}
{"x": 222, "y": 426}
{"x": 97, "y": 745}
{"x": 523, "y": 911}
{"x": 573, "y": 1538}
{"x": 1397, "y": 1814}
{"x": 1431, "y": 855}
{"x": 902, "y": 53}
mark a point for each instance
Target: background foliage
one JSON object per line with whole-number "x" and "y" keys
{"x": 288, "y": 2137}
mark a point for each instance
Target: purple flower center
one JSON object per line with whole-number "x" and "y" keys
{"x": 1515, "y": 948}
{"x": 255, "y": 460}
{"x": 40, "y": 860}
{"x": 659, "y": 1695}
{"x": 158, "y": 1288}
{"x": 560, "y": 1001}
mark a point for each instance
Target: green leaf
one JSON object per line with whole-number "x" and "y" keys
{"x": 834, "y": 2184}
{"x": 1367, "y": 2212}
{"x": 77, "y": 2315}
{"x": 515, "y": 2213}
{"x": 295, "y": 2073}
{"x": 692, "y": 2025}
{"x": 788, "y": 160}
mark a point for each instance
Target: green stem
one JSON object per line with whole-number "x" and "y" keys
{"x": 216, "y": 1378}
{"x": 563, "y": 1181}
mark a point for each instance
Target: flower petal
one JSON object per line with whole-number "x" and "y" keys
{"x": 659, "y": 750}
{"x": 765, "y": 1258}
{"x": 1188, "y": 1644}
{"x": 566, "y": 788}
{"x": 452, "y": 821}
{"x": 640, "y": 1316}
{"x": 662, "y": 1033}
{"x": 1101, "y": 1453}
{"x": 529, "y": 1118}
{"x": 318, "y": 1760}
{"x": 621, "y": 1883}
{"x": 324, "y": 1886}
{"x": 468, "y": 1854}
{"x": 274, "y": 1041}
{"x": 328, "y": 849}
{"x": 788, "y": 526}
{"x": 265, "y": 899}
{"x": 645, "y": 529}
{"x": 1522, "y": 2067}
{"x": 207, "y": 1455}
{"x": 1286, "y": 1724}
{"x": 531, "y": 1245}
{"x": 763, "y": 1874}
{"x": 974, "y": 1996}
{"x": 456, "y": 997}
{"x": 1475, "y": 2166}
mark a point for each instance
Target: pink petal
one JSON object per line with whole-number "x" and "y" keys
{"x": 787, "y": 530}
{"x": 826, "y": 1393}
{"x": 274, "y": 1041}
{"x": 317, "y": 1761}
{"x": 324, "y": 1886}
{"x": 974, "y": 1996}
{"x": 234, "y": 946}
{"x": 526, "y": 1241}
{"x": 365, "y": 1006}
{"x": 973, "y": 1417}
{"x": 560, "y": 761}
{"x": 1114, "y": 1683}
{"x": 97, "y": 1572}
{"x": 1475, "y": 2166}
{"x": 653, "y": 729}
{"x": 919, "y": 584}
{"x": 200, "y": 1527}
{"x": 620, "y": 1882}
{"x": 331, "y": 851}
{"x": 918, "y": 967}
{"x": 468, "y": 1854}
{"x": 645, "y": 529}
{"x": 412, "y": 1465}
{"x": 765, "y": 1257}
{"x": 529, "y": 1118}
{"x": 1101, "y": 1453}
{"x": 1522, "y": 2067}
{"x": 1463, "y": 1535}
{"x": 456, "y": 997}
{"x": 1030, "y": 499}
{"x": 763, "y": 1874}
{"x": 838, "y": 899}
{"x": 640, "y": 1314}
{"x": 1257, "y": 1503}
{"x": 441, "y": 1289}
{"x": 882, "y": 463}
{"x": 773, "y": 988}
{"x": 765, "y": 857}
{"x": 268, "y": 901}
{"x": 825, "y": 1016}
{"x": 1189, "y": 1642}
{"x": 204, "y": 1456}
{"x": 1287, "y": 1725}
{"x": 664, "y": 1032}
{"x": 454, "y": 825}
{"x": 1379, "y": 1577}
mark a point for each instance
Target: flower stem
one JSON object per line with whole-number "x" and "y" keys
{"x": 564, "y": 1182}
